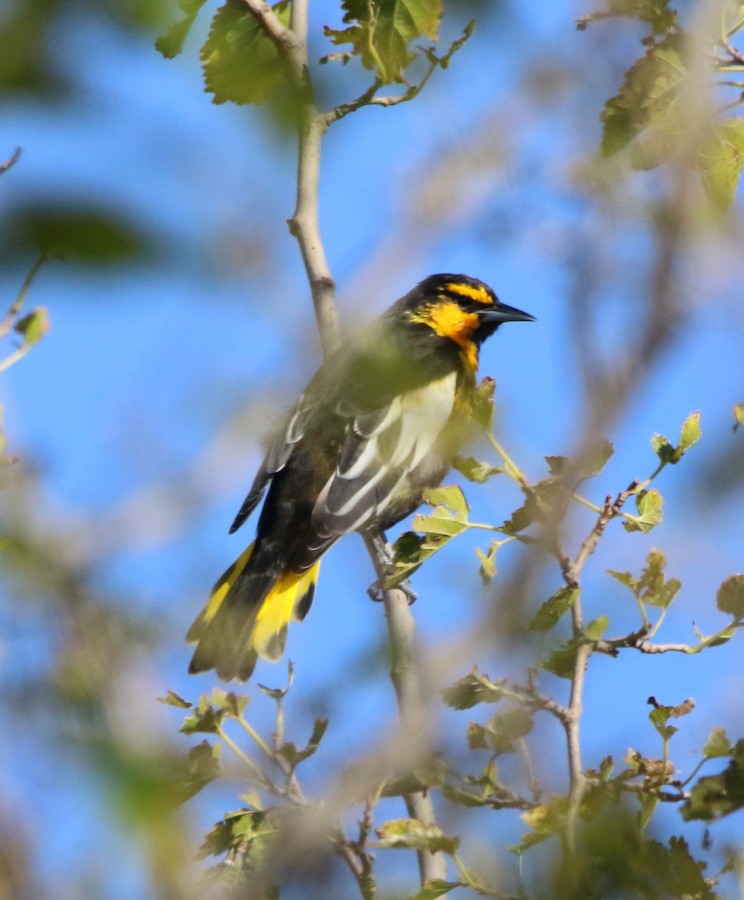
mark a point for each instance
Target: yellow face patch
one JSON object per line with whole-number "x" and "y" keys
{"x": 447, "y": 319}
{"x": 476, "y": 294}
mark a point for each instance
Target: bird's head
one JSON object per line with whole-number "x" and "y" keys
{"x": 459, "y": 308}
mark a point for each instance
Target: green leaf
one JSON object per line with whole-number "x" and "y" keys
{"x": 554, "y": 608}
{"x": 488, "y": 561}
{"x": 411, "y": 834}
{"x": 625, "y": 578}
{"x": 474, "y": 469}
{"x": 522, "y": 517}
{"x": 83, "y": 234}
{"x": 450, "y": 515}
{"x": 241, "y": 63}
{"x": 596, "y": 458}
{"x": 435, "y": 887}
{"x": 720, "y": 161}
{"x": 501, "y": 733}
{"x": 730, "y": 596}
{"x": 558, "y": 465}
{"x": 546, "y": 820}
{"x": 204, "y": 718}
{"x": 738, "y": 416}
{"x": 462, "y": 797}
{"x": 474, "y": 688}
{"x": 649, "y": 505}
{"x": 380, "y": 32}
{"x": 172, "y": 699}
{"x": 716, "y": 796}
{"x": 202, "y": 767}
{"x": 690, "y": 431}
{"x": 660, "y": 715}
{"x": 655, "y": 12}
{"x": 717, "y": 744}
{"x": 450, "y": 497}
{"x": 34, "y": 326}
{"x": 651, "y": 87}
{"x": 482, "y": 402}
{"x": 648, "y": 804}
{"x": 662, "y": 448}
{"x": 170, "y": 44}
{"x": 294, "y": 756}
{"x": 238, "y": 831}
{"x": 596, "y": 628}
{"x": 561, "y": 662}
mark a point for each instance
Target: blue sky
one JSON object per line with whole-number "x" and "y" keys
{"x": 145, "y": 364}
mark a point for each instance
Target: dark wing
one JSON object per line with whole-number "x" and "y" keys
{"x": 276, "y": 459}
{"x": 381, "y": 449}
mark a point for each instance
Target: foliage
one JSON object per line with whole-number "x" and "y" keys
{"x": 653, "y": 115}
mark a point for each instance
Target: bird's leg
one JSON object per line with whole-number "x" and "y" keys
{"x": 385, "y": 555}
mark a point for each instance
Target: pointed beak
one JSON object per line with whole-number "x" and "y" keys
{"x": 503, "y": 313}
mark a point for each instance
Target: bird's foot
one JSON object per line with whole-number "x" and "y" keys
{"x": 377, "y": 590}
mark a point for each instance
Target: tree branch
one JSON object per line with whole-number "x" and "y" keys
{"x": 291, "y": 44}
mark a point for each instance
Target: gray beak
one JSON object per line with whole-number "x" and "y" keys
{"x": 504, "y": 313}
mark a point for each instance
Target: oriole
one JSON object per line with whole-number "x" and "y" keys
{"x": 380, "y": 421}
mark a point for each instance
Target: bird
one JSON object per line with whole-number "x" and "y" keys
{"x": 378, "y": 424}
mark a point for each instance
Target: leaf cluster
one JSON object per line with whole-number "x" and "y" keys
{"x": 650, "y": 117}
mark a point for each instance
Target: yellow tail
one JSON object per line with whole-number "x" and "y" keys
{"x": 230, "y": 635}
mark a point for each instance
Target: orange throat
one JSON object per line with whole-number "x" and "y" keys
{"x": 448, "y": 320}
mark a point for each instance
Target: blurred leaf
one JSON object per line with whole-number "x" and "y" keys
{"x": 474, "y": 469}
{"x": 738, "y": 416}
{"x": 655, "y": 12}
{"x": 546, "y": 820}
{"x": 522, "y": 517}
{"x": 596, "y": 458}
{"x": 170, "y": 44}
{"x": 202, "y": 767}
{"x": 596, "y": 628}
{"x": 660, "y": 715}
{"x": 415, "y": 835}
{"x": 500, "y": 734}
{"x": 235, "y": 830}
{"x": 34, "y": 326}
{"x": 716, "y": 796}
{"x": 651, "y": 86}
{"x": 473, "y": 689}
{"x": 730, "y": 596}
{"x": 294, "y": 756}
{"x": 720, "y": 161}
{"x": 206, "y": 717}
{"x": 381, "y": 30}
{"x": 557, "y": 465}
{"x": 717, "y": 744}
{"x": 554, "y": 608}
{"x": 79, "y": 233}
{"x": 241, "y": 63}
{"x": 462, "y": 797}
{"x": 482, "y": 403}
{"x": 435, "y": 887}
{"x": 648, "y": 805}
{"x": 649, "y": 505}
{"x": 488, "y": 561}
{"x": 172, "y": 699}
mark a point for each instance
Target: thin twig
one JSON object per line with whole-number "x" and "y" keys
{"x": 11, "y": 161}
